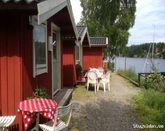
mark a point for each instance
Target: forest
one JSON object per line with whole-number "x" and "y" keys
{"x": 143, "y": 49}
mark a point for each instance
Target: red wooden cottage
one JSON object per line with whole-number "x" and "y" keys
{"x": 36, "y": 48}
{"x": 93, "y": 53}
{"x": 90, "y": 49}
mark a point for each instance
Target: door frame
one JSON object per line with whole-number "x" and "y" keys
{"x": 55, "y": 28}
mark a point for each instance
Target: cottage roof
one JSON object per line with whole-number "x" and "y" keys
{"x": 48, "y": 8}
{"x": 82, "y": 32}
{"x": 99, "y": 41}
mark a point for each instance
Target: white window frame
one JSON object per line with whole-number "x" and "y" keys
{"x": 39, "y": 68}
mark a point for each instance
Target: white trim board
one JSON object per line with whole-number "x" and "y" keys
{"x": 48, "y": 8}
{"x": 41, "y": 68}
{"x": 56, "y": 29}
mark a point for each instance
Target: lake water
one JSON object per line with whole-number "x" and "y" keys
{"x": 139, "y": 65}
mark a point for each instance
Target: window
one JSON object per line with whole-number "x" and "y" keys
{"x": 40, "y": 48}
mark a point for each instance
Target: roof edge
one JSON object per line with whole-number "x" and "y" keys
{"x": 48, "y": 8}
{"x": 83, "y": 36}
{"x": 84, "y": 33}
{"x": 88, "y": 38}
{"x": 69, "y": 6}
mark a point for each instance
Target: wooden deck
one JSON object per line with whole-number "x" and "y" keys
{"x": 63, "y": 96}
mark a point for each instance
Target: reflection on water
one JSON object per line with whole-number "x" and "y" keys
{"x": 139, "y": 64}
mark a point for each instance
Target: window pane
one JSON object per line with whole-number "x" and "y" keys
{"x": 40, "y": 44}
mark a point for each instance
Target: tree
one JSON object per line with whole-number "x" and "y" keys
{"x": 110, "y": 18}
{"x": 143, "y": 49}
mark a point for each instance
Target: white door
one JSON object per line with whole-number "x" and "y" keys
{"x": 56, "y": 59}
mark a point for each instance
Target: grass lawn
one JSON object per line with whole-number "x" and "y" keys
{"x": 80, "y": 93}
{"x": 150, "y": 107}
{"x": 130, "y": 74}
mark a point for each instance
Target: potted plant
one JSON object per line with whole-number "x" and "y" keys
{"x": 79, "y": 72}
{"x": 40, "y": 92}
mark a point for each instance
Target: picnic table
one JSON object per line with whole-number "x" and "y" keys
{"x": 32, "y": 108}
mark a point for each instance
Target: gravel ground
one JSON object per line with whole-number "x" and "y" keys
{"x": 109, "y": 111}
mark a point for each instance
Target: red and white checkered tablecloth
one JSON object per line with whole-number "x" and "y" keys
{"x": 29, "y": 108}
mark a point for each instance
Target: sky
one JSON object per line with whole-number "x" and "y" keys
{"x": 149, "y": 22}
{"x": 77, "y": 9}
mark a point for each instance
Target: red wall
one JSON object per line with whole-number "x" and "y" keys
{"x": 92, "y": 57}
{"x": 69, "y": 72}
{"x": 11, "y": 63}
{"x": 16, "y": 64}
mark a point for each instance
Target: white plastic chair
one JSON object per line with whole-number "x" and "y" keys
{"x": 61, "y": 112}
{"x": 92, "y": 79}
{"x": 101, "y": 70}
{"x": 6, "y": 121}
{"x": 105, "y": 82}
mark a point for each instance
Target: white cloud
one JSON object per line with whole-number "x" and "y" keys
{"x": 77, "y": 9}
{"x": 149, "y": 23}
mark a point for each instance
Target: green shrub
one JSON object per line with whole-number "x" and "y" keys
{"x": 155, "y": 81}
{"x": 40, "y": 92}
{"x": 129, "y": 73}
{"x": 79, "y": 70}
{"x": 150, "y": 107}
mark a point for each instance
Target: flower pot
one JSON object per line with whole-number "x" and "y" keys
{"x": 80, "y": 77}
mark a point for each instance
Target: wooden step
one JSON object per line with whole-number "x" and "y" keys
{"x": 63, "y": 96}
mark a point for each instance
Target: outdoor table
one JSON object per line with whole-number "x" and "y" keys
{"x": 32, "y": 108}
{"x": 99, "y": 74}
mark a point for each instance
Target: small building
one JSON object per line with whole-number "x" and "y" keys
{"x": 93, "y": 53}
{"x": 89, "y": 49}
{"x": 37, "y": 39}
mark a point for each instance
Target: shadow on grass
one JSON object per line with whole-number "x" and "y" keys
{"x": 103, "y": 115}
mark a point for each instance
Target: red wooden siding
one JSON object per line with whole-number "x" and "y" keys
{"x": 69, "y": 72}
{"x": 16, "y": 60}
{"x": 10, "y": 64}
{"x": 92, "y": 57}
{"x": 16, "y": 64}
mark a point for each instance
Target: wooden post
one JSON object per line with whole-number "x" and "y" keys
{"x": 145, "y": 81}
{"x": 139, "y": 78}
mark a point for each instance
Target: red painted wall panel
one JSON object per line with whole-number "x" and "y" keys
{"x": 69, "y": 72}
{"x": 92, "y": 57}
{"x": 10, "y": 65}
{"x": 16, "y": 64}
